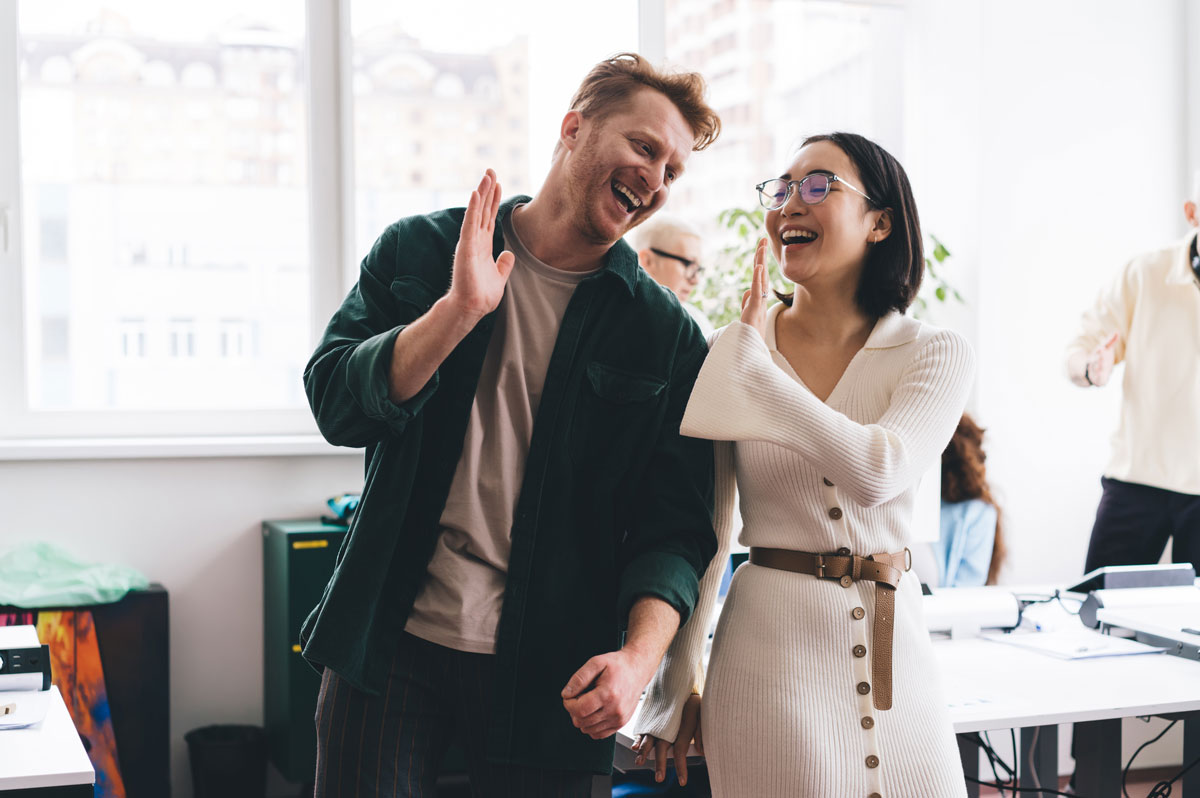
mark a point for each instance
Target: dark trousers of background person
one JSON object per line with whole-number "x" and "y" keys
{"x": 392, "y": 745}
{"x": 1134, "y": 522}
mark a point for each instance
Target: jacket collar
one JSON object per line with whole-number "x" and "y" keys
{"x": 620, "y": 262}
{"x": 1181, "y": 272}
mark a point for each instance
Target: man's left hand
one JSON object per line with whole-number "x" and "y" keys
{"x": 603, "y": 694}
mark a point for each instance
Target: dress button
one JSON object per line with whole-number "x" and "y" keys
{"x": 858, "y": 613}
{"x": 868, "y": 722}
{"x": 863, "y": 688}
{"x": 846, "y": 580}
{"x": 835, "y": 513}
{"x": 843, "y": 551}
{"x": 828, "y": 484}
{"x": 872, "y": 761}
{"x": 860, "y": 651}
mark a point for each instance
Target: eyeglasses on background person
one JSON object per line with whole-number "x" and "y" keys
{"x": 774, "y": 193}
{"x": 691, "y": 268}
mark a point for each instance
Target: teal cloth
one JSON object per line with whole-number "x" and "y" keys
{"x": 34, "y": 575}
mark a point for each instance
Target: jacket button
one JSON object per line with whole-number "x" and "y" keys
{"x": 843, "y": 551}
{"x": 858, "y": 613}
{"x": 828, "y": 484}
{"x": 846, "y": 580}
{"x": 860, "y": 651}
{"x": 863, "y": 688}
{"x": 835, "y": 513}
{"x": 872, "y": 761}
{"x": 868, "y": 722}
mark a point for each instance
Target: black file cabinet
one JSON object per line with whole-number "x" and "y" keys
{"x": 298, "y": 559}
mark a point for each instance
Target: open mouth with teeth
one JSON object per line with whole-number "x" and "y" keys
{"x": 789, "y": 237}
{"x": 628, "y": 200}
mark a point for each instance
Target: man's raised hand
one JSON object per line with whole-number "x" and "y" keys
{"x": 477, "y": 285}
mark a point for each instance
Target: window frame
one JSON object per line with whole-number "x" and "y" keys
{"x": 24, "y": 432}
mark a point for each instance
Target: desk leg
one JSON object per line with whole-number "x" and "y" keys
{"x": 968, "y": 752}
{"x": 1098, "y": 758}
{"x": 1191, "y": 752}
{"x": 1039, "y": 757}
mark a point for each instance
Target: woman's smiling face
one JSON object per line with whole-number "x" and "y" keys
{"x": 830, "y": 238}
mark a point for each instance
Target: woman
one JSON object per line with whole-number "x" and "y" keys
{"x": 822, "y": 680}
{"x": 971, "y": 549}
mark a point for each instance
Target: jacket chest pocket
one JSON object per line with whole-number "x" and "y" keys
{"x": 616, "y": 410}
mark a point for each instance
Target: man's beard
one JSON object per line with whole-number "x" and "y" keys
{"x": 587, "y": 177}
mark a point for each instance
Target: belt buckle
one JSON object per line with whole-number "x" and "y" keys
{"x": 820, "y": 566}
{"x": 907, "y": 559}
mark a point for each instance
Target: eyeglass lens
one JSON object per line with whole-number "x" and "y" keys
{"x": 813, "y": 189}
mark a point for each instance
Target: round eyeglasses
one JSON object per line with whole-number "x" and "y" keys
{"x": 774, "y": 193}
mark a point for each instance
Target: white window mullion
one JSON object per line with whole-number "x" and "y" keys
{"x": 12, "y": 311}
{"x": 327, "y": 205}
{"x": 652, "y": 29}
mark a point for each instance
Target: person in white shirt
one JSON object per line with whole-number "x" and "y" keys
{"x": 669, "y": 250}
{"x": 1148, "y": 319}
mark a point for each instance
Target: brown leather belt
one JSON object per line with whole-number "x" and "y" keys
{"x": 884, "y": 570}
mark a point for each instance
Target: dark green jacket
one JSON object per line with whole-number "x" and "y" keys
{"x": 615, "y": 503}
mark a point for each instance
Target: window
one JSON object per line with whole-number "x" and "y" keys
{"x": 777, "y": 71}
{"x": 181, "y": 220}
{"x": 163, "y": 162}
{"x": 490, "y": 93}
{"x": 780, "y": 70}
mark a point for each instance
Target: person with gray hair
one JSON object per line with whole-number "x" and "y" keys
{"x": 668, "y": 248}
{"x": 1149, "y": 319}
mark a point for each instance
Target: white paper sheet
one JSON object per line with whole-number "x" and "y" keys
{"x": 1073, "y": 643}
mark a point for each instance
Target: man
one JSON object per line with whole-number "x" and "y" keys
{"x": 1149, "y": 318}
{"x": 518, "y": 384}
{"x": 669, "y": 251}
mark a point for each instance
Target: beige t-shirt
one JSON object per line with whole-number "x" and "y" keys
{"x": 459, "y": 604}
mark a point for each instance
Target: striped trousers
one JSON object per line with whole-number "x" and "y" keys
{"x": 391, "y": 746}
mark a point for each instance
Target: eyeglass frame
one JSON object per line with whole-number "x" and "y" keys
{"x": 793, "y": 185}
{"x": 692, "y": 268}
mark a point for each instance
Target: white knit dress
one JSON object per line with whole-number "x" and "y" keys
{"x": 781, "y": 714}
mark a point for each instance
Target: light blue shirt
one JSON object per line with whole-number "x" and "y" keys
{"x": 965, "y": 550}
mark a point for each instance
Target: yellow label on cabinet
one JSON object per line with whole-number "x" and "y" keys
{"x": 311, "y": 544}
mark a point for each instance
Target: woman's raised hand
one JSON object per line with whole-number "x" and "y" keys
{"x": 477, "y": 285}
{"x": 754, "y": 301}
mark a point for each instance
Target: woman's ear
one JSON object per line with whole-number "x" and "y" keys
{"x": 882, "y": 227}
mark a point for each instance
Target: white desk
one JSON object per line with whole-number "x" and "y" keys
{"x": 993, "y": 686}
{"x": 48, "y": 758}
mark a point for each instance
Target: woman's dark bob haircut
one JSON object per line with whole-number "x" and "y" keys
{"x": 894, "y": 267}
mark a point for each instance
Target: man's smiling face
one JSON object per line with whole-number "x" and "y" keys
{"x": 621, "y": 168}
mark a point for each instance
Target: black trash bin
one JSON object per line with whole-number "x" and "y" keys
{"x": 228, "y": 761}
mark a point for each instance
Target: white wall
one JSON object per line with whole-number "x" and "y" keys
{"x": 194, "y": 526}
{"x": 1046, "y": 143}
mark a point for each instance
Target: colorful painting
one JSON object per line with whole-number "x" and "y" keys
{"x": 76, "y": 670}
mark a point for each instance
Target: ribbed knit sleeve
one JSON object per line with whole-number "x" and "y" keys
{"x": 742, "y": 395}
{"x": 681, "y": 670}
